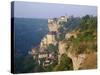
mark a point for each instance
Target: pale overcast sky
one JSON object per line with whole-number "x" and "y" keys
{"x": 48, "y": 10}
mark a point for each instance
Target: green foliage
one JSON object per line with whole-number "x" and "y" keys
{"x": 30, "y": 65}
{"x": 65, "y": 64}
{"x": 52, "y": 48}
{"x": 61, "y": 29}
{"x": 88, "y": 23}
{"x": 85, "y": 41}
{"x": 27, "y": 65}
{"x": 72, "y": 23}
{"x": 50, "y": 68}
{"x": 61, "y": 36}
{"x": 76, "y": 41}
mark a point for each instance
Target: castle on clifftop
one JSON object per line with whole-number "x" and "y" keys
{"x": 50, "y": 38}
{"x": 53, "y": 26}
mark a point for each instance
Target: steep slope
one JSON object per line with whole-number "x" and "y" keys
{"x": 80, "y": 44}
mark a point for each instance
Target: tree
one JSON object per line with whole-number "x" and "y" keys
{"x": 65, "y": 64}
{"x": 52, "y": 48}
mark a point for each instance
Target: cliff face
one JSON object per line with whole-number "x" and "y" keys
{"x": 71, "y": 34}
{"x": 62, "y": 48}
{"x": 82, "y": 53}
{"x": 53, "y": 26}
{"x": 80, "y": 61}
{"x": 48, "y": 39}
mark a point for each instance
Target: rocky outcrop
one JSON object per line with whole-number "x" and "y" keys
{"x": 90, "y": 61}
{"x": 52, "y": 25}
{"x": 80, "y": 61}
{"x": 70, "y": 34}
{"x": 76, "y": 59}
{"x": 62, "y": 48}
{"x": 48, "y": 39}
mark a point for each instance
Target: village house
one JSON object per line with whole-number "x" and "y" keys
{"x": 42, "y": 57}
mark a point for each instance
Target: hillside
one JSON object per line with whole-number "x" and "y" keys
{"x": 81, "y": 43}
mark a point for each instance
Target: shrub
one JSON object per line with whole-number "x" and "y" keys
{"x": 65, "y": 64}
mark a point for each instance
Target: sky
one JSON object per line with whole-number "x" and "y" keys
{"x": 51, "y": 10}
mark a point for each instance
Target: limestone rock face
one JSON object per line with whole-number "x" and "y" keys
{"x": 48, "y": 39}
{"x": 80, "y": 61}
{"x": 71, "y": 34}
{"x": 77, "y": 60}
{"x": 62, "y": 48}
{"x": 53, "y": 26}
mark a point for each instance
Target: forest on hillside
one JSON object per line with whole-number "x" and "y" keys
{"x": 86, "y": 31}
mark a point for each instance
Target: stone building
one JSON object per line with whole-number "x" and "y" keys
{"x": 62, "y": 19}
